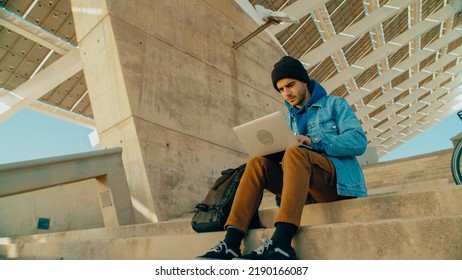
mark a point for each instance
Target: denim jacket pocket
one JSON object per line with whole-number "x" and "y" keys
{"x": 329, "y": 127}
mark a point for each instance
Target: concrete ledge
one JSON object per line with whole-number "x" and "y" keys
{"x": 104, "y": 165}
{"x": 418, "y": 157}
{"x": 177, "y": 227}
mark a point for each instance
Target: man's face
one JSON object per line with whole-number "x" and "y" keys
{"x": 294, "y": 92}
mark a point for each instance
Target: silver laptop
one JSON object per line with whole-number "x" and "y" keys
{"x": 267, "y": 135}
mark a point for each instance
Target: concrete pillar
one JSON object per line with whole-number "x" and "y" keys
{"x": 167, "y": 87}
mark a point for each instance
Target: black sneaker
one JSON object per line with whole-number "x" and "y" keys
{"x": 269, "y": 251}
{"x": 220, "y": 252}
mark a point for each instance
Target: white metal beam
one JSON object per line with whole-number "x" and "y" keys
{"x": 354, "y": 32}
{"x": 415, "y": 80}
{"x": 43, "y": 82}
{"x": 298, "y": 10}
{"x": 26, "y": 95}
{"x": 33, "y": 32}
{"x": 326, "y": 29}
{"x": 390, "y": 110}
{"x": 250, "y": 10}
{"x": 394, "y": 45}
{"x": 403, "y": 66}
{"x": 59, "y": 113}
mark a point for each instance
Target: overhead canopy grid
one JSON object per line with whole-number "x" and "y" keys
{"x": 397, "y": 62}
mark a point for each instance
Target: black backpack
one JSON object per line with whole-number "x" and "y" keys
{"x": 212, "y": 213}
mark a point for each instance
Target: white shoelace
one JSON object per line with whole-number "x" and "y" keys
{"x": 219, "y": 247}
{"x": 265, "y": 243}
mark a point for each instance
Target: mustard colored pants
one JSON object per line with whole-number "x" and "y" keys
{"x": 301, "y": 173}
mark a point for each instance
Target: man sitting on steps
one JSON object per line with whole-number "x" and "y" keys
{"x": 326, "y": 172}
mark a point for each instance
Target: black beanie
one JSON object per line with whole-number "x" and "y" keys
{"x": 289, "y": 67}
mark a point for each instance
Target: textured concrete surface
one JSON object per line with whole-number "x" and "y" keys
{"x": 410, "y": 225}
{"x": 167, "y": 86}
{"x": 417, "y": 238}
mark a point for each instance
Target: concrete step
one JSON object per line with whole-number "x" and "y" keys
{"x": 409, "y": 204}
{"x": 178, "y": 226}
{"x": 408, "y": 181}
{"x": 418, "y": 169}
{"x": 403, "y": 204}
{"x": 428, "y": 238}
{"x": 417, "y": 238}
{"x": 402, "y": 208}
{"x": 411, "y": 185}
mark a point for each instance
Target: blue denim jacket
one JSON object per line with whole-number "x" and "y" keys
{"x": 336, "y": 132}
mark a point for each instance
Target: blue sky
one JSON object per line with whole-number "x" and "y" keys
{"x": 436, "y": 138}
{"x": 31, "y": 135}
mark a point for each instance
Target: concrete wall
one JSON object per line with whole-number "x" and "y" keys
{"x": 69, "y": 207}
{"x": 166, "y": 86}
